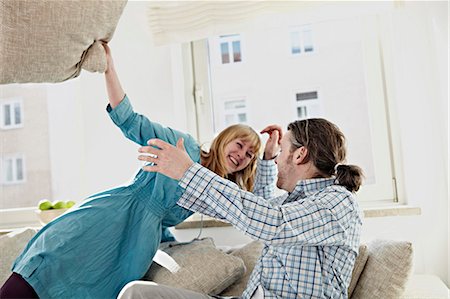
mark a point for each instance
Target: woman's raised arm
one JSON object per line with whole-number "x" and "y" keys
{"x": 115, "y": 91}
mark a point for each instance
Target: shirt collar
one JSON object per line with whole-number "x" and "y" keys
{"x": 305, "y": 188}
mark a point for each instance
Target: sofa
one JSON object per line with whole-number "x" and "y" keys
{"x": 383, "y": 268}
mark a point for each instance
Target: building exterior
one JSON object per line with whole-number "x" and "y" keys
{"x": 25, "y": 176}
{"x": 286, "y": 70}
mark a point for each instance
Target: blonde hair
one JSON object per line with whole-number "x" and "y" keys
{"x": 214, "y": 160}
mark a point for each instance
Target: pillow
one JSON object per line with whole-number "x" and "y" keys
{"x": 386, "y": 271}
{"x": 11, "y": 246}
{"x": 204, "y": 268}
{"x": 250, "y": 254}
{"x": 50, "y": 41}
{"x": 360, "y": 262}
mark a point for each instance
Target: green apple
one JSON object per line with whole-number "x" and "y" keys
{"x": 44, "y": 204}
{"x": 70, "y": 204}
{"x": 59, "y": 204}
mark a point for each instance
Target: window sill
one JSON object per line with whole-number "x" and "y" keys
{"x": 28, "y": 217}
{"x": 388, "y": 210}
{"x": 393, "y": 210}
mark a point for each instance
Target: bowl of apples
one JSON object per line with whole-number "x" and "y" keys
{"x": 47, "y": 210}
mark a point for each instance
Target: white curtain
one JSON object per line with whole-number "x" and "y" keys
{"x": 183, "y": 21}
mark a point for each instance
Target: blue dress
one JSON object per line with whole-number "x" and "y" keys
{"x": 111, "y": 239}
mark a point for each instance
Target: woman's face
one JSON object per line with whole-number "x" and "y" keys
{"x": 238, "y": 154}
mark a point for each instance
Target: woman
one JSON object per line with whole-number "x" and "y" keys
{"x": 110, "y": 240}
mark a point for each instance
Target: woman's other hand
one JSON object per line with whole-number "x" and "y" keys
{"x": 273, "y": 143}
{"x": 169, "y": 160}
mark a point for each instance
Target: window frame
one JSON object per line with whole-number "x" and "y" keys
{"x": 230, "y": 40}
{"x": 306, "y": 103}
{"x": 300, "y": 30}
{"x": 14, "y": 158}
{"x": 11, "y": 102}
{"x": 234, "y": 111}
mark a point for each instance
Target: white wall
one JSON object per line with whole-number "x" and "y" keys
{"x": 420, "y": 110}
{"x": 98, "y": 156}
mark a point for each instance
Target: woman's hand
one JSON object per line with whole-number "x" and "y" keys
{"x": 273, "y": 143}
{"x": 169, "y": 160}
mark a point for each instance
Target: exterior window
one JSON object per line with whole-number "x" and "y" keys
{"x": 302, "y": 40}
{"x": 236, "y": 51}
{"x": 307, "y": 105}
{"x": 230, "y": 48}
{"x": 225, "y": 53}
{"x": 13, "y": 170}
{"x": 235, "y": 112}
{"x": 302, "y": 112}
{"x": 278, "y": 89}
{"x": 11, "y": 113}
{"x": 295, "y": 42}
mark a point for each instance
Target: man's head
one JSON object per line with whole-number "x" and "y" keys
{"x": 312, "y": 148}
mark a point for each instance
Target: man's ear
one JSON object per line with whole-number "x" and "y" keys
{"x": 299, "y": 155}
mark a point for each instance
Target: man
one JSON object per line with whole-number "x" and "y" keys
{"x": 311, "y": 234}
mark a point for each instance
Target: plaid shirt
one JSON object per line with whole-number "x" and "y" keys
{"x": 311, "y": 235}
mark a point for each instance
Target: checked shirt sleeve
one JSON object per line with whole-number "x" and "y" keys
{"x": 304, "y": 222}
{"x": 266, "y": 172}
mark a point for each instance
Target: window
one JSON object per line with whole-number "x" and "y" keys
{"x": 235, "y": 112}
{"x": 307, "y": 105}
{"x": 11, "y": 113}
{"x": 230, "y": 44}
{"x": 302, "y": 40}
{"x": 13, "y": 170}
{"x": 348, "y": 91}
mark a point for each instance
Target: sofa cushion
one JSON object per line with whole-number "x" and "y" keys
{"x": 11, "y": 246}
{"x": 387, "y": 270}
{"x": 204, "y": 268}
{"x": 250, "y": 254}
{"x": 360, "y": 262}
{"x": 50, "y": 41}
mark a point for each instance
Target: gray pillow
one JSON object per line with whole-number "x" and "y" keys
{"x": 387, "y": 270}
{"x": 11, "y": 246}
{"x": 204, "y": 268}
{"x": 250, "y": 254}
{"x": 360, "y": 262}
{"x": 50, "y": 41}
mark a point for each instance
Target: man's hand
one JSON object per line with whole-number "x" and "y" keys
{"x": 169, "y": 160}
{"x": 273, "y": 143}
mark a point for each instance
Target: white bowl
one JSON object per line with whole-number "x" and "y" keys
{"x": 47, "y": 216}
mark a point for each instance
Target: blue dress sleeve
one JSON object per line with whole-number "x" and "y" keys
{"x": 139, "y": 129}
